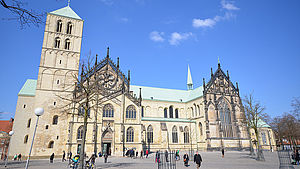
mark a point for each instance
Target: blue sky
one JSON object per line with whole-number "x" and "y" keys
{"x": 257, "y": 41}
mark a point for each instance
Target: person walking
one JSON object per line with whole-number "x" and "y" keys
{"x": 137, "y": 154}
{"x": 186, "y": 160}
{"x": 20, "y": 157}
{"x": 197, "y": 160}
{"x": 297, "y": 158}
{"x": 141, "y": 154}
{"x": 15, "y": 157}
{"x": 157, "y": 157}
{"x": 105, "y": 157}
{"x": 63, "y": 156}
{"x": 223, "y": 152}
{"x": 167, "y": 155}
{"x": 51, "y": 158}
{"x": 147, "y": 152}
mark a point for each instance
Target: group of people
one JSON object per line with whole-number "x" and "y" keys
{"x": 197, "y": 158}
{"x": 132, "y": 153}
{"x": 18, "y": 157}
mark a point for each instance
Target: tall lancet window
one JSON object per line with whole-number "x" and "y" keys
{"x": 59, "y": 26}
{"x": 225, "y": 117}
{"x": 67, "y": 44}
{"x": 69, "y": 28}
{"x": 57, "y": 42}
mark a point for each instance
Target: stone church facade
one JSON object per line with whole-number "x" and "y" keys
{"x": 208, "y": 117}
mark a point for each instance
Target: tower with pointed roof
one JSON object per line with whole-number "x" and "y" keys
{"x": 189, "y": 79}
{"x": 59, "y": 63}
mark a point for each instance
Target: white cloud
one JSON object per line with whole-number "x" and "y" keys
{"x": 177, "y": 37}
{"x": 228, "y": 5}
{"x": 197, "y": 23}
{"x": 124, "y": 20}
{"x": 157, "y": 36}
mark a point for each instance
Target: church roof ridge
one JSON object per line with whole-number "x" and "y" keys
{"x": 66, "y": 12}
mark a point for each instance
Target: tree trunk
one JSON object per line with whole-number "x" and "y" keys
{"x": 260, "y": 155}
{"x": 250, "y": 143}
{"x": 82, "y": 150}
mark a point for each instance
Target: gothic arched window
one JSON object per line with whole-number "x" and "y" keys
{"x": 195, "y": 107}
{"x": 192, "y": 112}
{"x": 59, "y": 26}
{"x": 171, "y": 112}
{"x": 108, "y": 110}
{"x": 69, "y": 28}
{"x": 67, "y": 44}
{"x": 57, "y": 42}
{"x": 51, "y": 144}
{"x": 130, "y": 135}
{"x": 225, "y": 118}
{"x": 130, "y": 112}
{"x": 174, "y": 135}
{"x": 166, "y": 113}
{"x": 28, "y": 123}
{"x": 79, "y": 133}
{"x": 143, "y": 109}
{"x": 200, "y": 128}
{"x": 176, "y": 113}
{"x": 186, "y": 135}
{"x": 150, "y": 134}
{"x": 198, "y": 109}
{"x": 55, "y": 120}
{"x": 26, "y": 139}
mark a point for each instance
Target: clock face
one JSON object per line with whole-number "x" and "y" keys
{"x": 107, "y": 80}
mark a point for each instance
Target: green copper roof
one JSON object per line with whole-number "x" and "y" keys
{"x": 28, "y": 88}
{"x": 66, "y": 12}
{"x": 172, "y": 95}
{"x": 167, "y": 119}
{"x": 261, "y": 123}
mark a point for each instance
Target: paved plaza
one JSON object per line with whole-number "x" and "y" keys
{"x": 211, "y": 160}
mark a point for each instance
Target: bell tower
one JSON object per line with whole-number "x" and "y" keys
{"x": 58, "y": 68}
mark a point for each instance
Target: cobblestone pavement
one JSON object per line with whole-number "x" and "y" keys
{"x": 211, "y": 160}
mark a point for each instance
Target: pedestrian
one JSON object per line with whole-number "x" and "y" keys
{"x": 137, "y": 154}
{"x": 141, "y": 154}
{"x": 297, "y": 157}
{"x": 157, "y": 157}
{"x": 99, "y": 154}
{"x": 167, "y": 155}
{"x": 105, "y": 157}
{"x": 177, "y": 155}
{"x": 223, "y": 152}
{"x": 51, "y": 158}
{"x": 186, "y": 160}
{"x": 70, "y": 157}
{"x": 20, "y": 157}
{"x": 147, "y": 152}
{"x": 63, "y": 156}
{"x": 197, "y": 159}
{"x": 15, "y": 157}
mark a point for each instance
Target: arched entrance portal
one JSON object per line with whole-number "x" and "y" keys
{"x": 107, "y": 139}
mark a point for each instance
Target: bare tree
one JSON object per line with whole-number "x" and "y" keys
{"x": 254, "y": 112}
{"x": 24, "y": 16}
{"x": 296, "y": 107}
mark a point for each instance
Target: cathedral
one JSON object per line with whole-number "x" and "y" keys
{"x": 208, "y": 117}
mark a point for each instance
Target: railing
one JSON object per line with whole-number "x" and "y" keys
{"x": 165, "y": 160}
{"x": 284, "y": 159}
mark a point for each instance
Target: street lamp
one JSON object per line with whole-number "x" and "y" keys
{"x": 38, "y": 112}
{"x": 9, "y": 134}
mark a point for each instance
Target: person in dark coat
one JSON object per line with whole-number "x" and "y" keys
{"x": 105, "y": 157}
{"x": 197, "y": 159}
{"x": 20, "y": 157}
{"x": 157, "y": 157}
{"x": 141, "y": 153}
{"x": 297, "y": 158}
{"x": 186, "y": 160}
{"x": 51, "y": 158}
{"x": 63, "y": 156}
{"x": 223, "y": 152}
{"x": 167, "y": 155}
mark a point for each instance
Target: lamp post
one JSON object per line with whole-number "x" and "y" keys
{"x": 38, "y": 112}
{"x": 9, "y": 134}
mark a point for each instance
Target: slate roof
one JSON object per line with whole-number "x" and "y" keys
{"x": 66, "y": 12}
